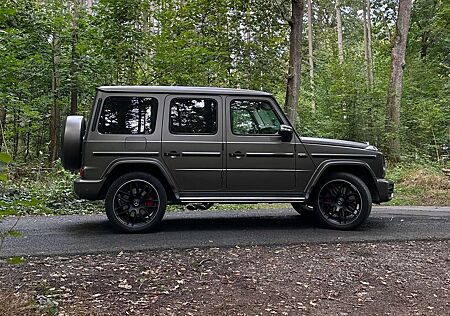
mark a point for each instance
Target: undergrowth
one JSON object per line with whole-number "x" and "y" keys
{"x": 419, "y": 185}
{"x": 38, "y": 190}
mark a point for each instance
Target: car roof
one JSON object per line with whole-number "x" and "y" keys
{"x": 182, "y": 90}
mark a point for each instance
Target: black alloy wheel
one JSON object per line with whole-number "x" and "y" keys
{"x": 136, "y": 202}
{"x": 343, "y": 201}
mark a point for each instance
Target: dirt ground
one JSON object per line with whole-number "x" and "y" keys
{"x": 397, "y": 278}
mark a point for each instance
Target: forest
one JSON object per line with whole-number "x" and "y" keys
{"x": 373, "y": 71}
{"x": 54, "y": 54}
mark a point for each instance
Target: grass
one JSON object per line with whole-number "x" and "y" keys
{"x": 419, "y": 185}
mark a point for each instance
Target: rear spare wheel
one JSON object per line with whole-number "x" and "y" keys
{"x": 71, "y": 142}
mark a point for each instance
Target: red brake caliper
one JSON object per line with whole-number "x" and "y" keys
{"x": 149, "y": 201}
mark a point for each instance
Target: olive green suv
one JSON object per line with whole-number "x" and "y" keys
{"x": 146, "y": 147}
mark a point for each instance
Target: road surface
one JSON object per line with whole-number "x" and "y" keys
{"x": 79, "y": 234}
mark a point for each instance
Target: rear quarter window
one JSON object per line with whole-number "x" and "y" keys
{"x": 128, "y": 115}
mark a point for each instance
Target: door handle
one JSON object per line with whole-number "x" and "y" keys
{"x": 172, "y": 154}
{"x": 237, "y": 155}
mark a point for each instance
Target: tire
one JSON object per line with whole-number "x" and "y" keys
{"x": 71, "y": 142}
{"x": 342, "y": 201}
{"x": 136, "y": 203}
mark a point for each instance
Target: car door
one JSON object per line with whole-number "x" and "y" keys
{"x": 192, "y": 141}
{"x": 256, "y": 157}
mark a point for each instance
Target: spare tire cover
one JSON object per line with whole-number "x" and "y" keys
{"x": 71, "y": 142}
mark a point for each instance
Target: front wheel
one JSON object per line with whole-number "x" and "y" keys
{"x": 136, "y": 202}
{"x": 342, "y": 201}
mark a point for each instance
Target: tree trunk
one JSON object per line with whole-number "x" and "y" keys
{"x": 339, "y": 32}
{"x": 424, "y": 44}
{"x": 295, "y": 51}
{"x": 27, "y": 142}
{"x": 368, "y": 42}
{"x": 310, "y": 52}
{"x": 396, "y": 80}
{"x": 74, "y": 60}
{"x": 2, "y": 128}
{"x": 55, "y": 112}
{"x": 16, "y": 136}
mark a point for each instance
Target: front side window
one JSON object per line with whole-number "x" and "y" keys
{"x": 193, "y": 116}
{"x": 253, "y": 117}
{"x": 128, "y": 115}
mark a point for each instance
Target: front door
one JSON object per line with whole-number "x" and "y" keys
{"x": 257, "y": 160}
{"x": 192, "y": 141}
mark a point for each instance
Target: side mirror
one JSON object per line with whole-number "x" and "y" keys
{"x": 286, "y": 133}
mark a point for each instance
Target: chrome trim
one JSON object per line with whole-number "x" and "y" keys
{"x": 345, "y": 155}
{"x": 233, "y": 199}
{"x": 215, "y": 169}
{"x": 261, "y": 142}
{"x": 270, "y": 154}
{"x": 194, "y": 169}
{"x": 201, "y": 153}
{"x": 148, "y": 141}
{"x": 125, "y": 153}
{"x": 190, "y": 141}
{"x": 265, "y": 170}
{"x": 302, "y": 155}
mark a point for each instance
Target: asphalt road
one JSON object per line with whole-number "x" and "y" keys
{"x": 59, "y": 235}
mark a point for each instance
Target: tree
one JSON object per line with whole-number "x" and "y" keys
{"x": 239, "y": 43}
{"x": 340, "y": 40}
{"x": 396, "y": 80}
{"x": 55, "y": 111}
{"x": 295, "y": 57}
{"x": 74, "y": 59}
{"x": 310, "y": 53}
{"x": 368, "y": 42}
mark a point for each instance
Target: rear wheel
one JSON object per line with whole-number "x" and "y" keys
{"x": 342, "y": 201}
{"x": 136, "y": 202}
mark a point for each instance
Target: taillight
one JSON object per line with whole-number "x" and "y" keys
{"x": 82, "y": 172}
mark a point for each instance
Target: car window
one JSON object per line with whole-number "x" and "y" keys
{"x": 128, "y": 115}
{"x": 253, "y": 117}
{"x": 193, "y": 116}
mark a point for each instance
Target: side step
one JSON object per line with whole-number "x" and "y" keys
{"x": 241, "y": 198}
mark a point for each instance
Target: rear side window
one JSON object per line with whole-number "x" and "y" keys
{"x": 128, "y": 115}
{"x": 193, "y": 116}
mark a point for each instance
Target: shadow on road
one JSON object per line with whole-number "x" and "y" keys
{"x": 236, "y": 223}
{"x": 241, "y": 223}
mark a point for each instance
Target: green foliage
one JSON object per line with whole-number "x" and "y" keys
{"x": 44, "y": 191}
{"x": 5, "y": 158}
{"x": 222, "y": 43}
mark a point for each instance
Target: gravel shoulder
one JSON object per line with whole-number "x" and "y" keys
{"x": 370, "y": 278}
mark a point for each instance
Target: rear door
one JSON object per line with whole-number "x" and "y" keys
{"x": 257, "y": 159}
{"x": 192, "y": 141}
